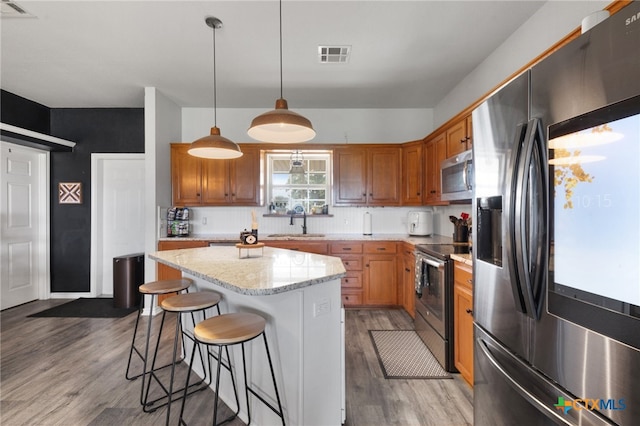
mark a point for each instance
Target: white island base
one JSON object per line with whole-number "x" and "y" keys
{"x": 304, "y": 331}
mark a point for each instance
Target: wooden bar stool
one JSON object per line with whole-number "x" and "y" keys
{"x": 152, "y": 289}
{"x": 187, "y": 303}
{"x": 227, "y": 330}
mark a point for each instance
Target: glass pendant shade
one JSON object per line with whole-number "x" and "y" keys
{"x": 281, "y": 126}
{"x": 214, "y": 146}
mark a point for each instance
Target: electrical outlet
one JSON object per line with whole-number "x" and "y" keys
{"x": 321, "y": 307}
{"x": 204, "y": 220}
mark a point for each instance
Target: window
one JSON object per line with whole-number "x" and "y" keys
{"x": 294, "y": 188}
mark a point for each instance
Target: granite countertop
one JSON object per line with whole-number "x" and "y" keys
{"x": 467, "y": 258}
{"x": 224, "y": 238}
{"x": 257, "y": 271}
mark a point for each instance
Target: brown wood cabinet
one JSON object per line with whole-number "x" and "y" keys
{"x": 459, "y": 136}
{"x": 435, "y": 152}
{"x": 463, "y": 320}
{"x": 412, "y": 173}
{"x": 380, "y": 273}
{"x": 352, "y": 283}
{"x": 407, "y": 280}
{"x": 204, "y": 182}
{"x": 365, "y": 175}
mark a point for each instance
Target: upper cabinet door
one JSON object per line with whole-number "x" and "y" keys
{"x": 186, "y": 176}
{"x": 459, "y": 137}
{"x": 350, "y": 176}
{"x": 215, "y": 182}
{"x": 412, "y": 174}
{"x": 244, "y": 178}
{"x": 384, "y": 176}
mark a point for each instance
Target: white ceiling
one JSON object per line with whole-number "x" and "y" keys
{"x": 405, "y": 54}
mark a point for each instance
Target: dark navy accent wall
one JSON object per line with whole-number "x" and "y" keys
{"x": 95, "y": 130}
{"x": 21, "y": 112}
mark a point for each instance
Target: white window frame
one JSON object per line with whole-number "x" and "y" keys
{"x": 270, "y": 156}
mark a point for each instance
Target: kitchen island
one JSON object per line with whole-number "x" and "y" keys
{"x": 299, "y": 295}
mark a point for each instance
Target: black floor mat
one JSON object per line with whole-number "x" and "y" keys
{"x": 86, "y": 308}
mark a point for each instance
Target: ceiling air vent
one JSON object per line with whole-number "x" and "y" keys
{"x": 333, "y": 54}
{"x": 9, "y": 9}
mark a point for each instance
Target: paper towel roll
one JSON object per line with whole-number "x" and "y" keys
{"x": 366, "y": 229}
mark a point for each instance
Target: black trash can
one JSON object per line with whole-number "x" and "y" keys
{"x": 128, "y": 275}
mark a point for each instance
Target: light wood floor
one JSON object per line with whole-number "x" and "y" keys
{"x": 70, "y": 371}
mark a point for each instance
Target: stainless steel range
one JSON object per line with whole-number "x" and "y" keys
{"x": 434, "y": 299}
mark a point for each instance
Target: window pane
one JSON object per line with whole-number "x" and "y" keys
{"x": 307, "y": 189}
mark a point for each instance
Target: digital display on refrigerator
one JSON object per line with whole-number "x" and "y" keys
{"x": 595, "y": 240}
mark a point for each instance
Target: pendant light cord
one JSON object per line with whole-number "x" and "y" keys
{"x": 215, "y": 113}
{"x": 281, "y": 49}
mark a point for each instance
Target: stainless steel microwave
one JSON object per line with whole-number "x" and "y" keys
{"x": 456, "y": 177}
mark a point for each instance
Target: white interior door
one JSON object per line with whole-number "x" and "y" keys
{"x": 117, "y": 214}
{"x": 24, "y": 211}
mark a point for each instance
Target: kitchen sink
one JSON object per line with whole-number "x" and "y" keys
{"x": 296, "y": 235}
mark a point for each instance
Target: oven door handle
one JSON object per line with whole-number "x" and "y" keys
{"x": 433, "y": 263}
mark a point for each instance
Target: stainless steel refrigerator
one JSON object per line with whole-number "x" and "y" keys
{"x": 557, "y": 239}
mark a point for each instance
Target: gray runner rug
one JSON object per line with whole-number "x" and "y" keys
{"x": 403, "y": 355}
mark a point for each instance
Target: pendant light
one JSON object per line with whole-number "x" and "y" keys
{"x": 296, "y": 163}
{"x": 281, "y": 125}
{"x": 214, "y": 145}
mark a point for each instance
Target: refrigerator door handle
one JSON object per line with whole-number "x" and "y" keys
{"x": 529, "y": 219}
{"x": 510, "y": 241}
{"x": 538, "y": 390}
{"x": 542, "y": 407}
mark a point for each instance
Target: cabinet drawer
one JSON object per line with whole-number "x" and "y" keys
{"x": 352, "y": 280}
{"x": 352, "y": 298}
{"x": 463, "y": 275}
{"x": 352, "y": 263}
{"x": 346, "y": 248}
{"x": 380, "y": 247}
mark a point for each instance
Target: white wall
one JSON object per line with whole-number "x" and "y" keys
{"x": 162, "y": 125}
{"x": 551, "y": 23}
{"x": 331, "y": 125}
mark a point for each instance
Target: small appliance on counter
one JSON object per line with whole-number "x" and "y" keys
{"x": 177, "y": 222}
{"x": 420, "y": 223}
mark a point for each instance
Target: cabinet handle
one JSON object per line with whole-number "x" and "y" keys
{"x": 364, "y": 194}
{"x": 469, "y": 311}
{"x": 370, "y": 194}
{"x": 233, "y": 194}
{"x": 470, "y": 281}
{"x": 226, "y": 195}
{"x": 346, "y": 263}
{"x": 346, "y": 280}
{"x": 380, "y": 248}
{"x": 418, "y": 193}
{"x": 407, "y": 270}
{"x": 346, "y": 248}
{"x": 198, "y": 194}
{"x": 367, "y": 265}
{"x": 433, "y": 192}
